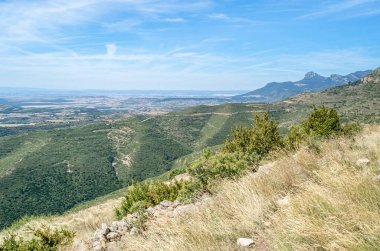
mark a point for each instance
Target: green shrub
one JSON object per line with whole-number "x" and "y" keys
{"x": 176, "y": 171}
{"x": 220, "y": 165}
{"x": 351, "y": 129}
{"x": 259, "y": 139}
{"x": 322, "y": 122}
{"x": 45, "y": 239}
{"x": 147, "y": 194}
{"x": 294, "y": 138}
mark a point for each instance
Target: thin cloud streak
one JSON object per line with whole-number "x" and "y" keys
{"x": 344, "y": 6}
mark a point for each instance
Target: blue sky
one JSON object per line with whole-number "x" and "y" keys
{"x": 173, "y": 44}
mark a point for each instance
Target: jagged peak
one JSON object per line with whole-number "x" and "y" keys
{"x": 311, "y": 74}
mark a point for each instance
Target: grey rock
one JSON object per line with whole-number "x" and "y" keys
{"x": 113, "y": 236}
{"x": 165, "y": 203}
{"x": 105, "y": 230}
{"x": 376, "y": 178}
{"x": 99, "y": 245}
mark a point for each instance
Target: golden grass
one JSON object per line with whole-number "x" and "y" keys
{"x": 334, "y": 205}
{"x": 83, "y": 223}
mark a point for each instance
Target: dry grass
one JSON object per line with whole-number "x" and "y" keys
{"x": 83, "y": 223}
{"x": 334, "y": 205}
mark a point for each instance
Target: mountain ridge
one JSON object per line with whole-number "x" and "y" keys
{"x": 312, "y": 82}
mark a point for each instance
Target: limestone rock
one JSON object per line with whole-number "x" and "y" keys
{"x": 265, "y": 169}
{"x": 245, "y": 242}
{"x": 113, "y": 236}
{"x": 105, "y": 230}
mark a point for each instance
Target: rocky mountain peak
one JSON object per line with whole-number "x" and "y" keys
{"x": 311, "y": 75}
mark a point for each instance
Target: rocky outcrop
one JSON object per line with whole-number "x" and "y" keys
{"x": 114, "y": 232}
{"x": 374, "y": 77}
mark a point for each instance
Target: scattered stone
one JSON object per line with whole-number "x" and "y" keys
{"x": 376, "y": 178}
{"x": 265, "y": 169}
{"x": 107, "y": 235}
{"x": 166, "y": 203}
{"x": 283, "y": 201}
{"x": 363, "y": 162}
{"x": 245, "y": 242}
{"x": 99, "y": 242}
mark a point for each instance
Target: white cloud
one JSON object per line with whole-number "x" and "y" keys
{"x": 174, "y": 20}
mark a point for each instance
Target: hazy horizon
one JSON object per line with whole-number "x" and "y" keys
{"x": 172, "y": 45}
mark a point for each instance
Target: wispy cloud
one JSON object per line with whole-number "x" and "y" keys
{"x": 173, "y": 20}
{"x": 122, "y": 25}
{"x": 227, "y": 18}
{"x": 354, "y": 7}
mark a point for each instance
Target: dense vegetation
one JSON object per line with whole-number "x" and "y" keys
{"x": 54, "y": 171}
{"x": 243, "y": 150}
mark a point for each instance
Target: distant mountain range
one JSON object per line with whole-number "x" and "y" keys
{"x": 312, "y": 82}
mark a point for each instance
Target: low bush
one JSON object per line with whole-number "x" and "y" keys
{"x": 351, "y": 129}
{"x": 221, "y": 165}
{"x": 260, "y": 139}
{"x": 322, "y": 122}
{"x": 294, "y": 138}
{"x": 147, "y": 194}
{"x": 45, "y": 239}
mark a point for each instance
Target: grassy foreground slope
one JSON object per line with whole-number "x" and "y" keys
{"x": 331, "y": 204}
